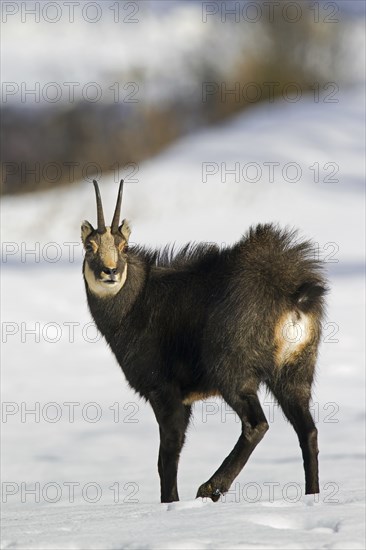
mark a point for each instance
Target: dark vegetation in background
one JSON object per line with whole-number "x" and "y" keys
{"x": 105, "y": 134}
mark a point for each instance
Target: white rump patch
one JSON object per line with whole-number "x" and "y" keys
{"x": 293, "y": 331}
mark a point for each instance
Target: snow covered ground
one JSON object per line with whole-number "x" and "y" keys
{"x": 80, "y": 470}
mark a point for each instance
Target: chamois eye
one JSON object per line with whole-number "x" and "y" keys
{"x": 89, "y": 248}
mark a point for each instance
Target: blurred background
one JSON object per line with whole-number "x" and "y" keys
{"x": 218, "y": 115}
{"x": 106, "y": 84}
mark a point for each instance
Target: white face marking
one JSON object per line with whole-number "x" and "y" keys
{"x": 292, "y": 333}
{"x": 100, "y": 288}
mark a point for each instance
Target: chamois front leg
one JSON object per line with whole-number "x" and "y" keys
{"x": 254, "y": 426}
{"x": 173, "y": 418}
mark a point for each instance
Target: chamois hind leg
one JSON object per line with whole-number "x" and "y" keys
{"x": 173, "y": 418}
{"x": 294, "y": 401}
{"x": 254, "y": 426}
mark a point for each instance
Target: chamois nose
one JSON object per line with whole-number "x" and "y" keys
{"x": 109, "y": 271}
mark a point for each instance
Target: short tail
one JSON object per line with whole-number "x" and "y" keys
{"x": 308, "y": 296}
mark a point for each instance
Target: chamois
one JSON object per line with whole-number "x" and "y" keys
{"x": 209, "y": 321}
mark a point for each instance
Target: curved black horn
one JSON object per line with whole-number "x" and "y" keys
{"x": 117, "y": 212}
{"x": 101, "y": 223}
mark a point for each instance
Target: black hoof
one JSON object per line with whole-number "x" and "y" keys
{"x": 207, "y": 490}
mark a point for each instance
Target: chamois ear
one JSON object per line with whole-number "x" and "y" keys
{"x": 125, "y": 230}
{"x": 86, "y": 230}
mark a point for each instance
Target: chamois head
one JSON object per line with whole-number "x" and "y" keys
{"x": 105, "y": 266}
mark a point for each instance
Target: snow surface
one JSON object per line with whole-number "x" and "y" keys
{"x": 169, "y": 202}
